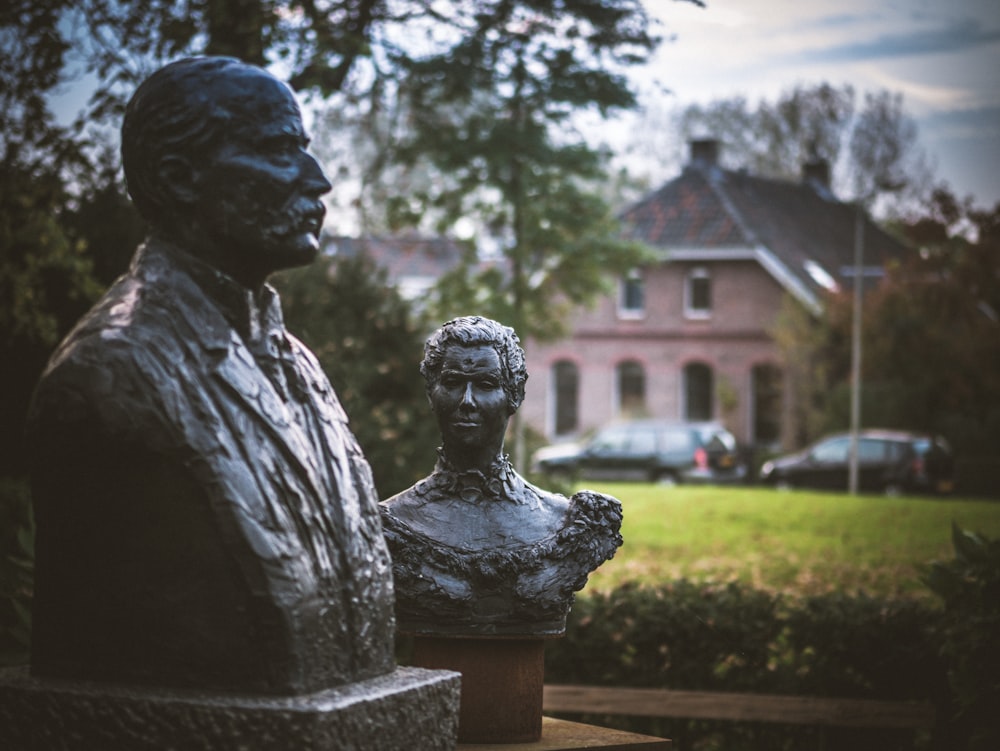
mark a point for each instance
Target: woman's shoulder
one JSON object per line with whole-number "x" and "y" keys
{"x": 596, "y": 507}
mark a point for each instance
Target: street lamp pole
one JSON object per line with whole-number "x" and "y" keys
{"x": 859, "y": 251}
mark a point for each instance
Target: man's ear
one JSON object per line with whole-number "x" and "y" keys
{"x": 179, "y": 178}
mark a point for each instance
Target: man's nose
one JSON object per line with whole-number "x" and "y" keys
{"x": 314, "y": 176}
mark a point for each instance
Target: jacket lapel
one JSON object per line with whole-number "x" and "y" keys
{"x": 239, "y": 374}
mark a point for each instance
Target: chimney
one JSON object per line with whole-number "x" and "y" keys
{"x": 704, "y": 152}
{"x": 816, "y": 172}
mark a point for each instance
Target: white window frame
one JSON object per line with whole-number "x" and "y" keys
{"x": 699, "y": 272}
{"x": 634, "y": 314}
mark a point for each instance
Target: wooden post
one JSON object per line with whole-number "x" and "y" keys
{"x": 502, "y": 682}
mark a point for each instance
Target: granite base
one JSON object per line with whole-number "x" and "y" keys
{"x": 410, "y": 709}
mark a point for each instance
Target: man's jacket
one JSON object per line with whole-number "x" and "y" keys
{"x": 204, "y": 514}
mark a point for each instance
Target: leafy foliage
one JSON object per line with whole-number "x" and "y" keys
{"x": 730, "y": 637}
{"x": 933, "y": 329}
{"x": 931, "y": 338}
{"x": 490, "y": 116}
{"x": 370, "y": 343}
{"x": 17, "y": 557}
{"x": 874, "y": 145}
{"x": 969, "y": 586}
{"x": 678, "y": 635}
{"x": 545, "y": 56}
{"x": 46, "y": 283}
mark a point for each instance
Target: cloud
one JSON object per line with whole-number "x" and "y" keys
{"x": 837, "y": 21}
{"x": 958, "y": 37}
{"x": 982, "y": 121}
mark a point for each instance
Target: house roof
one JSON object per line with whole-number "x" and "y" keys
{"x": 403, "y": 256}
{"x": 799, "y": 232}
{"x": 412, "y": 263}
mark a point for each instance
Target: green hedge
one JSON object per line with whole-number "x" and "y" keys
{"x": 731, "y": 638}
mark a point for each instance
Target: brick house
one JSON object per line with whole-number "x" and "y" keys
{"x": 687, "y": 337}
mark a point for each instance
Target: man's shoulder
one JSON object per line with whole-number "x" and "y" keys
{"x": 152, "y": 307}
{"x": 135, "y": 347}
{"x": 122, "y": 329}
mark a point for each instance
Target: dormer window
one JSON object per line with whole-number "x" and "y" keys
{"x": 698, "y": 294}
{"x": 632, "y": 295}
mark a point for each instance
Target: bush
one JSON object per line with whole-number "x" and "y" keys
{"x": 17, "y": 546}
{"x": 681, "y": 635}
{"x": 858, "y": 646}
{"x": 729, "y": 637}
{"x": 969, "y": 586}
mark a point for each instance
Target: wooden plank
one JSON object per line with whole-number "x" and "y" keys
{"x": 562, "y": 735}
{"x": 793, "y": 710}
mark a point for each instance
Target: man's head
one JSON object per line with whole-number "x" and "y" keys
{"x": 473, "y": 331}
{"x": 215, "y": 158}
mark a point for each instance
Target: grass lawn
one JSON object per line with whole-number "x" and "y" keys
{"x": 797, "y": 542}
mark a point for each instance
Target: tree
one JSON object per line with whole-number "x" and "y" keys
{"x": 887, "y": 168}
{"x": 46, "y": 283}
{"x": 931, "y": 337}
{"x": 493, "y": 117}
{"x": 46, "y": 280}
{"x": 874, "y": 147}
{"x": 932, "y": 330}
{"x": 489, "y": 89}
{"x": 370, "y": 343}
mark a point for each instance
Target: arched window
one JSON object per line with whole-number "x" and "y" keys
{"x": 566, "y": 387}
{"x": 698, "y": 294}
{"x": 699, "y": 390}
{"x": 767, "y": 399}
{"x": 631, "y": 380}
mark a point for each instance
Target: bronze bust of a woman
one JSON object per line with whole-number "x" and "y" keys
{"x": 478, "y": 550}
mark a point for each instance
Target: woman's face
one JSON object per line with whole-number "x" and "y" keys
{"x": 469, "y": 400}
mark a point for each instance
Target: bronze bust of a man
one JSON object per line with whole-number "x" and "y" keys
{"x": 477, "y": 550}
{"x": 205, "y": 516}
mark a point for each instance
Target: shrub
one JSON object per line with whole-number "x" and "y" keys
{"x": 729, "y": 637}
{"x": 17, "y": 545}
{"x": 969, "y": 586}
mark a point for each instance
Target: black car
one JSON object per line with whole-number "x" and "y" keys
{"x": 649, "y": 451}
{"x": 890, "y": 462}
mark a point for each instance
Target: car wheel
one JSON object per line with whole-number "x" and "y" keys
{"x": 893, "y": 490}
{"x": 783, "y": 485}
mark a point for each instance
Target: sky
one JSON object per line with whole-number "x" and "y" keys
{"x": 943, "y": 57}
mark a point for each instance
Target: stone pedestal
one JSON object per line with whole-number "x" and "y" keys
{"x": 502, "y": 682}
{"x": 409, "y": 709}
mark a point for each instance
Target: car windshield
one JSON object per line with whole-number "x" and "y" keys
{"x": 714, "y": 438}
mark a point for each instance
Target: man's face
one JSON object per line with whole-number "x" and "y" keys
{"x": 469, "y": 400}
{"x": 259, "y": 188}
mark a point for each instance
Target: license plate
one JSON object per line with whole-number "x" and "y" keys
{"x": 945, "y": 486}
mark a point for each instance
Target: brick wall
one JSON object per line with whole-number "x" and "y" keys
{"x": 745, "y": 301}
